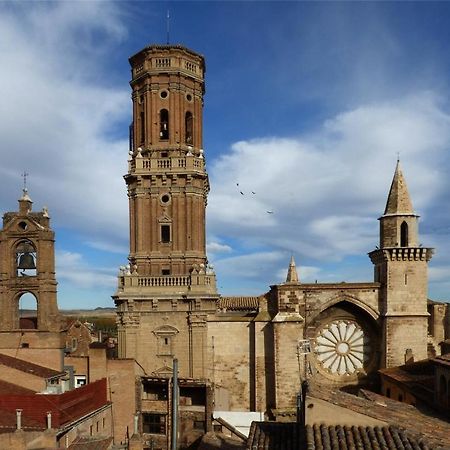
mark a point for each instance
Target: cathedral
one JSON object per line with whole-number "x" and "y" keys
{"x": 249, "y": 353}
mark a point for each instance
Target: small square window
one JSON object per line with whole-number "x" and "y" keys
{"x": 199, "y": 425}
{"x": 165, "y": 272}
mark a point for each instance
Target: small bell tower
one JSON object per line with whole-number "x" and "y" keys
{"x": 401, "y": 268}
{"x": 27, "y": 267}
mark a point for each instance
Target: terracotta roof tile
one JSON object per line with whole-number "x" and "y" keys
{"x": 238, "y": 303}
{"x": 395, "y": 413}
{"x": 292, "y": 436}
{"x": 8, "y": 422}
{"x": 25, "y": 366}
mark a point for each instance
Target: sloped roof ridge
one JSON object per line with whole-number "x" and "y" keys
{"x": 28, "y": 367}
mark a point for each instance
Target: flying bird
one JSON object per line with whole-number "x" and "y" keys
{"x": 253, "y": 193}
{"x": 269, "y": 212}
{"x": 241, "y": 192}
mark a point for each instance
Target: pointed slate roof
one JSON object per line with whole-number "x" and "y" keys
{"x": 292, "y": 276}
{"x": 398, "y": 201}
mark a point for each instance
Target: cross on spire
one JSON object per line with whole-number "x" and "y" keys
{"x": 24, "y": 175}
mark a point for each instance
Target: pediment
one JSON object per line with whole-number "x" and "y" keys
{"x": 166, "y": 330}
{"x": 165, "y": 219}
{"x": 163, "y": 371}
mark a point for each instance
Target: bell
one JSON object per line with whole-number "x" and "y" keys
{"x": 26, "y": 261}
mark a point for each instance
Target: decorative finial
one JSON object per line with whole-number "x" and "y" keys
{"x": 398, "y": 157}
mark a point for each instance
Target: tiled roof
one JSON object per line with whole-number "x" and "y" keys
{"x": 25, "y": 366}
{"x": 276, "y": 436}
{"x": 86, "y": 443}
{"x": 342, "y": 438}
{"x": 397, "y": 414}
{"x": 417, "y": 377}
{"x": 13, "y": 389}
{"x": 443, "y": 359}
{"x": 292, "y": 436}
{"x": 238, "y": 303}
{"x": 8, "y": 422}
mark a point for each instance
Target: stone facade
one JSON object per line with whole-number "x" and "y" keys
{"x": 254, "y": 352}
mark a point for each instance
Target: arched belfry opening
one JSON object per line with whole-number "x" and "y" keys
{"x": 404, "y": 234}
{"x": 25, "y": 256}
{"x": 164, "y": 124}
{"x": 188, "y": 123}
{"x": 27, "y": 305}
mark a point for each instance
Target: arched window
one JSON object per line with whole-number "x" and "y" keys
{"x": 443, "y": 391}
{"x": 164, "y": 124}
{"x": 27, "y": 305}
{"x": 25, "y": 259}
{"x": 142, "y": 125}
{"x": 188, "y": 124}
{"x": 404, "y": 234}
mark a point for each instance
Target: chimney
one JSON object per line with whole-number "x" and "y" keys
{"x": 19, "y": 418}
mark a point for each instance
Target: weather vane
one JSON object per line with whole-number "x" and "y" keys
{"x": 24, "y": 175}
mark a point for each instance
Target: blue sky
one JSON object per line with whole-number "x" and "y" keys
{"x": 307, "y": 104}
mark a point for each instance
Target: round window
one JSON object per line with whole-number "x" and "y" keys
{"x": 343, "y": 348}
{"x": 163, "y": 94}
{"x": 23, "y": 225}
{"x": 165, "y": 198}
{"x": 189, "y": 97}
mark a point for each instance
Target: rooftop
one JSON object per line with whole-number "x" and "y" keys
{"x": 30, "y": 368}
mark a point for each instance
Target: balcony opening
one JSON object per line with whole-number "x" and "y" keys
{"x": 164, "y": 124}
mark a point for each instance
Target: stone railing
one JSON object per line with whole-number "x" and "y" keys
{"x": 193, "y": 282}
{"x": 176, "y": 163}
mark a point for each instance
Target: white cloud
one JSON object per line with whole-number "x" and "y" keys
{"x": 58, "y": 107}
{"x": 72, "y": 268}
{"x": 214, "y": 247}
{"x": 327, "y": 188}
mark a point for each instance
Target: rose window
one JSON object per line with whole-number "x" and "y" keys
{"x": 342, "y": 347}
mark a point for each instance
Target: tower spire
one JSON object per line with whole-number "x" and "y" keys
{"x": 292, "y": 276}
{"x": 398, "y": 201}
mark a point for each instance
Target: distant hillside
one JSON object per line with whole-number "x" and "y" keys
{"x": 97, "y": 312}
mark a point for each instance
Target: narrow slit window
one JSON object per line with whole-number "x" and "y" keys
{"x": 164, "y": 124}
{"x": 188, "y": 123}
{"x": 165, "y": 233}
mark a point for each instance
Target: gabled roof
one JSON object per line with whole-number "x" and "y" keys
{"x": 398, "y": 202}
{"x": 30, "y": 368}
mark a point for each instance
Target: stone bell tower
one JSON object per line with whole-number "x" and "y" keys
{"x": 27, "y": 266}
{"x": 167, "y": 288}
{"x": 401, "y": 267}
